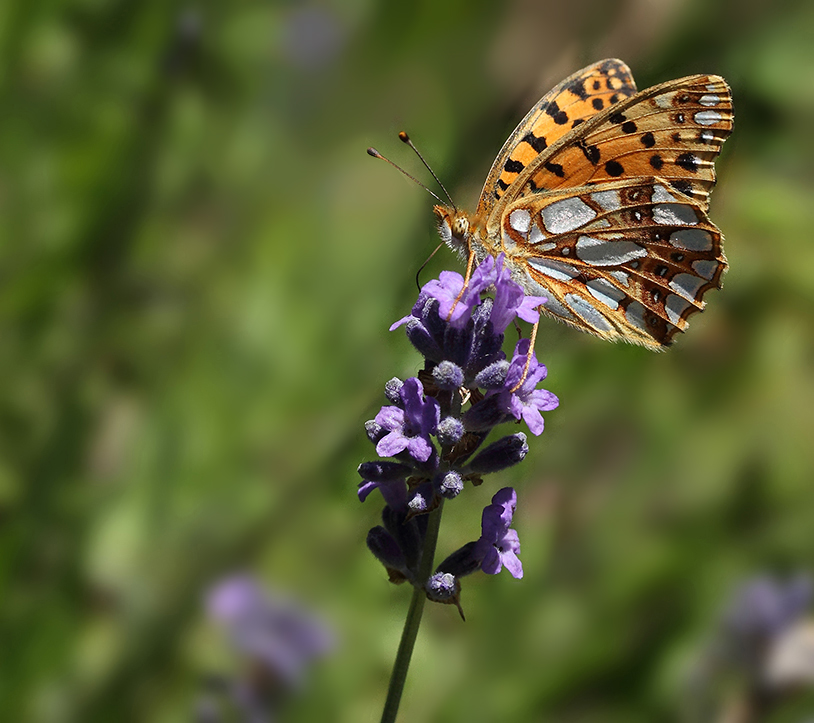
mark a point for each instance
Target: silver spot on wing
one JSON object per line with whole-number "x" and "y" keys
{"x": 598, "y": 252}
{"x": 583, "y": 308}
{"x": 567, "y": 215}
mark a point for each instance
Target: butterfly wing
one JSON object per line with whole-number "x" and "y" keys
{"x": 582, "y": 95}
{"x": 627, "y": 259}
{"x": 674, "y": 131}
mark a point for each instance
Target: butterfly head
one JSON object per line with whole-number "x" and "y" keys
{"x": 454, "y": 228}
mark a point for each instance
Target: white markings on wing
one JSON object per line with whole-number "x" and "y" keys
{"x": 520, "y": 220}
{"x": 662, "y": 195}
{"x": 536, "y": 235}
{"x": 692, "y": 239}
{"x": 607, "y": 200}
{"x": 622, "y": 277}
{"x": 707, "y": 117}
{"x": 675, "y": 306}
{"x": 598, "y": 252}
{"x": 635, "y": 315}
{"x": 705, "y": 267}
{"x": 554, "y": 269}
{"x": 583, "y": 308}
{"x": 567, "y": 215}
{"x": 605, "y": 292}
{"x": 686, "y": 285}
{"x": 674, "y": 214}
{"x": 555, "y": 307}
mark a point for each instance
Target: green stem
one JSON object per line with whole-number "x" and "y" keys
{"x": 411, "y": 624}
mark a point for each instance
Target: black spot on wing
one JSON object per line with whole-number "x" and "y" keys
{"x": 614, "y": 168}
{"x": 688, "y": 162}
{"x": 598, "y": 103}
{"x": 682, "y": 185}
{"x": 556, "y": 169}
{"x": 597, "y": 85}
{"x": 513, "y": 166}
{"x": 577, "y": 87}
{"x": 617, "y": 118}
{"x": 648, "y": 140}
{"x": 560, "y": 117}
{"x": 656, "y": 161}
{"x": 538, "y": 143}
{"x": 629, "y": 127}
{"x": 591, "y": 152}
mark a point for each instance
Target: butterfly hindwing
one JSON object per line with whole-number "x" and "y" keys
{"x": 569, "y": 104}
{"x": 627, "y": 259}
{"x": 674, "y": 130}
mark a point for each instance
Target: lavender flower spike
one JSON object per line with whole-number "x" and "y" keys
{"x": 498, "y": 545}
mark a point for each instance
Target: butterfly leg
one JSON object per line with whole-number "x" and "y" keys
{"x": 529, "y": 353}
{"x": 469, "y": 266}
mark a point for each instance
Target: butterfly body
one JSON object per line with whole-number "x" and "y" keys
{"x": 599, "y": 202}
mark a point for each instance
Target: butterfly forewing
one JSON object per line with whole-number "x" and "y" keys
{"x": 674, "y": 130}
{"x": 628, "y": 259}
{"x": 569, "y": 104}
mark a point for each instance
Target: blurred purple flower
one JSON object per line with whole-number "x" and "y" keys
{"x": 763, "y": 607}
{"x": 279, "y": 635}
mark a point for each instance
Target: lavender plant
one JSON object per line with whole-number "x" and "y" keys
{"x": 431, "y": 439}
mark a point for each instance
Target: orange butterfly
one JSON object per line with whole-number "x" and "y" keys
{"x": 599, "y": 201}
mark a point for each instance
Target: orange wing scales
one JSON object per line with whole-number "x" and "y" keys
{"x": 575, "y": 99}
{"x": 674, "y": 130}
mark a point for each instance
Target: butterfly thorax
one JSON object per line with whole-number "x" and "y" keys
{"x": 458, "y": 229}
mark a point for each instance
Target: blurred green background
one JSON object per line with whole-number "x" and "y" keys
{"x": 198, "y": 266}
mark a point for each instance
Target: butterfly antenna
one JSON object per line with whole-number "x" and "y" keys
{"x": 421, "y": 268}
{"x": 404, "y": 138}
{"x": 373, "y": 152}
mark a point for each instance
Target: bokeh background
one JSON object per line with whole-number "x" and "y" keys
{"x": 198, "y": 266}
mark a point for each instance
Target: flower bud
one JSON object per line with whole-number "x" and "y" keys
{"x": 444, "y": 588}
{"x": 499, "y": 455}
{"x": 449, "y": 431}
{"x": 386, "y": 550}
{"x": 392, "y": 389}
{"x": 451, "y": 485}
{"x": 493, "y": 376}
{"x": 448, "y": 375}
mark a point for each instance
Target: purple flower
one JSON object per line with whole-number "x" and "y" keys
{"x": 499, "y": 546}
{"x": 278, "y": 635}
{"x": 764, "y": 607}
{"x": 510, "y": 301}
{"x": 409, "y": 426}
{"x": 526, "y": 402}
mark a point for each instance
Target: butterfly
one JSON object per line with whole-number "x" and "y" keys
{"x": 599, "y": 202}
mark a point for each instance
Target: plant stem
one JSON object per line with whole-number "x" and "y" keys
{"x": 411, "y": 624}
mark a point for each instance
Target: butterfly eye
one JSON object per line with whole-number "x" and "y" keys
{"x": 460, "y": 226}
